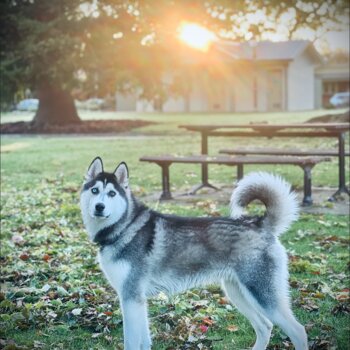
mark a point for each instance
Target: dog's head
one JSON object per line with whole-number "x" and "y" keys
{"x": 104, "y": 196}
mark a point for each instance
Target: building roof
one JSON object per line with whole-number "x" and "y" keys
{"x": 333, "y": 71}
{"x": 267, "y": 50}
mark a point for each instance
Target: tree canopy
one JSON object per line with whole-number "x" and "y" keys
{"x": 100, "y": 45}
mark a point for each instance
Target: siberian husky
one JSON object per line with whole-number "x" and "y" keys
{"x": 143, "y": 252}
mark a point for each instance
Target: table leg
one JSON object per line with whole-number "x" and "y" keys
{"x": 239, "y": 172}
{"x": 341, "y": 159}
{"x": 202, "y": 185}
{"x": 307, "y": 200}
{"x": 166, "y": 194}
{"x": 204, "y": 151}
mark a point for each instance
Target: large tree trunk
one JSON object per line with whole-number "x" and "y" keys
{"x": 56, "y": 107}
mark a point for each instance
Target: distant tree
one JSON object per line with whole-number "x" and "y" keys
{"x": 338, "y": 57}
{"x": 55, "y": 46}
{"x": 282, "y": 20}
{"x": 38, "y": 50}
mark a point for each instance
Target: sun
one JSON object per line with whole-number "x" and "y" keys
{"x": 196, "y": 36}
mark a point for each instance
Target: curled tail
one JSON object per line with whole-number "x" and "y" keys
{"x": 281, "y": 204}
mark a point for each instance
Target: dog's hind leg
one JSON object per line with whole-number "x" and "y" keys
{"x": 273, "y": 303}
{"x": 135, "y": 325}
{"x": 260, "y": 323}
{"x": 268, "y": 291}
{"x": 283, "y": 316}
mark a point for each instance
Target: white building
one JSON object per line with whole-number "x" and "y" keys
{"x": 264, "y": 76}
{"x": 331, "y": 77}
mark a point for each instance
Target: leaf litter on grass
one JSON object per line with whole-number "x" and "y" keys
{"x": 50, "y": 279}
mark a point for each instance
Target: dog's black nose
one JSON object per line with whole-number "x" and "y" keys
{"x": 99, "y": 207}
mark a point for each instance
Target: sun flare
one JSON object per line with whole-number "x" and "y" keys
{"x": 196, "y": 36}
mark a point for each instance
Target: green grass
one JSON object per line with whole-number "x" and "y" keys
{"x": 48, "y": 266}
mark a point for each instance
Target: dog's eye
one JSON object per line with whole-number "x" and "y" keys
{"x": 94, "y": 190}
{"x": 111, "y": 193}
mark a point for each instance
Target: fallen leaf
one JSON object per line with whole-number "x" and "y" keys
{"x": 341, "y": 308}
{"x": 46, "y": 257}
{"x": 192, "y": 339}
{"x": 24, "y": 256}
{"x": 203, "y": 328}
{"x": 324, "y": 223}
{"x": 208, "y": 321}
{"x": 46, "y": 288}
{"x": 52, "y": 314}
{"x": 38, "y": 344}
{"x": 343, "y": 295}
{"x": 232, "y": 328}
{"x": 309, "y": 305}
{"x": 17, "y": 239}
{"x": 77, "y": 312}
{"x": 96, "y": 335}
{"x": 223, "y": 301}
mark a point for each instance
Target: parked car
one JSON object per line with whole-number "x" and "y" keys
{"x": 341, "y": 99}
{"x": 95, "y": 104}
{"x": 92, "y": 104}
{"x": 29, "y": 104}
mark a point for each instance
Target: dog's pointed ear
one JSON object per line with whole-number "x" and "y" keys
{"x": 122, "y": 175}
{"x": 95, "y": 168}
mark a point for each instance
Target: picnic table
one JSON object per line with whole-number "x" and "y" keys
{"x": 306, "y": 130}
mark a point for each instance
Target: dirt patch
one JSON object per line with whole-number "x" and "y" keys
{"x": 13, "y": 147}
{"x": 320, "y": 196}
{"x": 332, "y": 118}
{"x": 85, "y": 127}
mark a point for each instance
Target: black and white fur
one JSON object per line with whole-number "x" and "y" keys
{"x": 143, "y": 252}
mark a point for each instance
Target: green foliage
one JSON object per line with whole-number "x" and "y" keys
{"x": 39, "y": 42}
{"x": 287, "y": 19}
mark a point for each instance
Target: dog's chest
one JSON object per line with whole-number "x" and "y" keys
{"x": 116, "y": 271}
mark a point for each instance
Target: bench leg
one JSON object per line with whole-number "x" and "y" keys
{"x": 338, "y": 193}
{"x": 341, "y": 160}
{"x": 240, "y": 172}
{"x": 166, "y": 194}
{"x": 307, "y": 200}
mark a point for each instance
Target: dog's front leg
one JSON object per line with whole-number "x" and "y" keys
{"x": 135, "y": 324}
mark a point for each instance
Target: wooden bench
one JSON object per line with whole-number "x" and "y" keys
{"x": 306, "y": 163}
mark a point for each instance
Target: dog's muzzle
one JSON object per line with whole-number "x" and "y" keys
{"x": 99, "y": 208}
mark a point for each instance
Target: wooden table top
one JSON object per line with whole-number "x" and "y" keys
{"x": 341, "y": 127}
